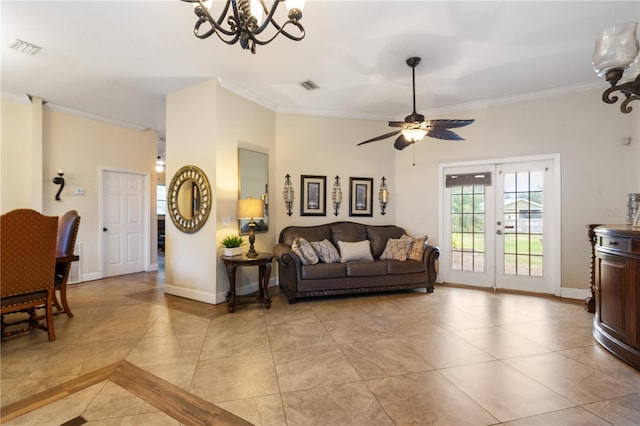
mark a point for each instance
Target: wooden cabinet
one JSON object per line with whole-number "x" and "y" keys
{"x": 616, "y": 324}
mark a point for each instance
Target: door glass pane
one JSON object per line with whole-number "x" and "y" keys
{"x": 467, "y": 228}
{"x": 523, "y": 223}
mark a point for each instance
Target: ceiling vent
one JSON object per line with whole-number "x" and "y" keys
{"x": 25, "y": 47}
{"x": 309, "y": 85}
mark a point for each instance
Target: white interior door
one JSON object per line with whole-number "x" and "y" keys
{"x": 123, "y": 223}
{"x": 501, "y": 224}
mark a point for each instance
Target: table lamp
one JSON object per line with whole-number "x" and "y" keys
{"x": 251, "y": 208}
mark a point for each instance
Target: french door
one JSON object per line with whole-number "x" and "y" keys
{"x": 500, "y": 224}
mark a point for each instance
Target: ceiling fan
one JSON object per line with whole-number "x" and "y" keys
{"x": 414, "y": 127}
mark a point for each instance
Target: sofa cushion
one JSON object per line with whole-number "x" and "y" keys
{"x": 397, "y": 249}
{"x": 309, "y": 233}
{"x": 379, "y": 235}
{"x": 303, "y": 249}
{"x": 348, "y": 231}
{"x": 326, "y": 251}
{"x": 417, "y": 249}
{"x": 359, "y": 251}
{"x": 395, "y": 267}
{"x": 322, "y": 271}
{"x": 366, "y": 269}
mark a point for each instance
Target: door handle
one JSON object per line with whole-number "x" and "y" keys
{"x": 499, "y": 232}
{"x": 104, "y": 229}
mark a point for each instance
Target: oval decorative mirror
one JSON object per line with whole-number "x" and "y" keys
{"x": 189, "y": 199}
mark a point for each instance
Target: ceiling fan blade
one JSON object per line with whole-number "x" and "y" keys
{"x": 444, "y": 134}
{"x": 401, "y": 143}
{"x": 448, "y": 124}
{"x": 397, "y": 124}
{"x": 378, "y": 138}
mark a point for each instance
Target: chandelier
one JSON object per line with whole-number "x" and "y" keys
{"x": 615, "y": 58}
{"x": 244, "y": 21}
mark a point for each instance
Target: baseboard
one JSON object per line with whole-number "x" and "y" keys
{"x": 90, "y": 277}
{"x": 153, "y": 267}
{"x": 189, "y": 293}
{"x": 574, "y": 293}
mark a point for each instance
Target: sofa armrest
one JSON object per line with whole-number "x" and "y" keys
{"x": 288, "y": 270}
{"x": 430, "y": 256}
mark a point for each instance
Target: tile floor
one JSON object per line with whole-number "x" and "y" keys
{"x": 457, "y": 356}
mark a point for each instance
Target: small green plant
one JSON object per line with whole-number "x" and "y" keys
{"x": 231, "y": 241}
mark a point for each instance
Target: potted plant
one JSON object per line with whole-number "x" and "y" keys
{"x": 231, "y": 244}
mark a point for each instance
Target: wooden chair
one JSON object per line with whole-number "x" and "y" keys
{"x": 27, "y": 262}
{"x": 68, "y": 225}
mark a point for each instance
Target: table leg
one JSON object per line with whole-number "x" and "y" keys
{"x": 231, "y": 294}
{"x": 264, "y": 283}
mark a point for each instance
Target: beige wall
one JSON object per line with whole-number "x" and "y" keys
{"x": 82, "y": 147}
{"x": 597, "y": 169}
{"x": 206, "y": 124}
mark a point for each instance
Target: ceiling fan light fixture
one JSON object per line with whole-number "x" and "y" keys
{"x": 414, "y": 135}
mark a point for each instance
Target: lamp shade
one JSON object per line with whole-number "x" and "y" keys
{"x": 250, "y": 208}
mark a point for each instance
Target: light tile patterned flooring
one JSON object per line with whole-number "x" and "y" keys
{"x": 457, "y": 356}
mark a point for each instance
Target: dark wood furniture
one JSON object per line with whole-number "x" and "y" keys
{"x": 616, "y": 325}
{"x": 263, "y": 262}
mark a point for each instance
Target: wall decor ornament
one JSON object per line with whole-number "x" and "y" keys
{"x": 336, "y": 196}
{"x": 313, "y": 195}
{"x": 189, "y": 199}
{"x": 288, "y": 194}
{"x": 59, "y": 180}
{"x": 360, "y": 196}
{"x": 383, "y": 196}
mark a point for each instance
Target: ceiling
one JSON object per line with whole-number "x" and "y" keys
{"x": 117, "y": 60}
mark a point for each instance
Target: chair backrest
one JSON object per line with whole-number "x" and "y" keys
{"x": 68, "y": 225}
{"x": 27, "y": 252}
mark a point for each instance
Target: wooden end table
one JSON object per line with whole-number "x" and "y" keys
{"x": 263, "y": 262}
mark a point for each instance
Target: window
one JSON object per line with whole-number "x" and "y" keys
{"x": 161, "y": 199}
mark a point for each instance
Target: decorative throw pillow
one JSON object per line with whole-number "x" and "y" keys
{"x": 303, "y": 249}
{"x": 326, "y": 251}
{"x": 417, "y": 248}
{"x": 359, "y": 251}
{"x": 397, "y": 249}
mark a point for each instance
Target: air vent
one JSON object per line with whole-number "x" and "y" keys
{"x": 309, "y": 85}
{"x": 25, "y": 47}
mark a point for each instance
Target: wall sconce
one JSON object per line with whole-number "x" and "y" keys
{"x": 383, "y": 196}
{"x": 288, "y": 194}
{"x": 336, "y": 196}
{"x": 616, "y": 58}
{"x": 59, "y": 180}
{"x": 251, "y": 208}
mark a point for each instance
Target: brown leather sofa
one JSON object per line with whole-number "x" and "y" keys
{"x": 299, "y": 280}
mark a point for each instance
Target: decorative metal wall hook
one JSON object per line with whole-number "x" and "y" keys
{"x": 383, "y": 196}
{"x": 59, "y": 180}
{"x": 336, "y": 196}
{"x": 288, "y": 194}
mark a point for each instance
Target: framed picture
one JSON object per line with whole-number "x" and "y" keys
{"x": 313, "y": 195}
{"x": 360, "y": 196}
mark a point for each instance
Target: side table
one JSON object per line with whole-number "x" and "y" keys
{"x": 263, "y": 262}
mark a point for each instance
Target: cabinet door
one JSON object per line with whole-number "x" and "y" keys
{"x": 615, "y": 295}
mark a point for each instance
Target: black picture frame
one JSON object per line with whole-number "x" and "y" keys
{"x": 313, "y": 195}
{"x": 361, "y": 196}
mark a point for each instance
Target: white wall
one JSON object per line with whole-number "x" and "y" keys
{"x": 15, "y": 155}
{"x": 597, "y": 169}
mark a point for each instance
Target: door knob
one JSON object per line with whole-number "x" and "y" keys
{"x": 104, "y": 229}
{"x": 499, "y": 232}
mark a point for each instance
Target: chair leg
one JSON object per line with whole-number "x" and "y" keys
{"x": 49, "y": 309}
{"x": 63, "y": 299}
